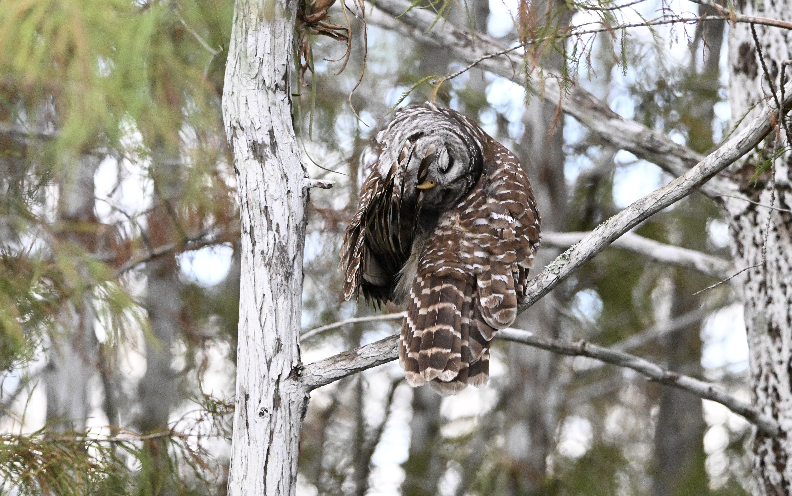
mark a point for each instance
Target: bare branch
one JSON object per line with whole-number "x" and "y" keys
{"x": 606, "y": 124}
{"x": 737, "y": 17}
{"x": 659, "y": 252}
{"x": 189, "y": 243}
{"x": 350, "y": 362}
{"x": 702, "y": 389}
{"x": 759, "y": 125}
{"x": 655, "y": 332}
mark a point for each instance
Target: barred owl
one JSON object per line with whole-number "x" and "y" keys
{"x": 447, "y": 221}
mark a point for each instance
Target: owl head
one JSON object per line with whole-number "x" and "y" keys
{"x": 439, "y": 163}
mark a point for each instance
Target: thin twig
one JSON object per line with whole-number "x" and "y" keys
{"x": 759, "y": 204}
{"x": 725, "y": 280}
{"x": 204, "y": 44}
{"x": 335, "y": 325}
{"x": 769, "y": 79}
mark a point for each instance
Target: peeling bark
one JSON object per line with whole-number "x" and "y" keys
{"x": 270, "y": 403}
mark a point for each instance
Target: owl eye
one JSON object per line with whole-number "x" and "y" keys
{"x": 449, "y": 165}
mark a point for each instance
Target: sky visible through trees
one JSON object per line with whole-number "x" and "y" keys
{"x": 147, "y": 274}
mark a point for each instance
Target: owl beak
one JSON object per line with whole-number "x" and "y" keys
{"x": 426, "y": 185}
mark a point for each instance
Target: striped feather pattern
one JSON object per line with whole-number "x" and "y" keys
{"x": 465, "y": 267}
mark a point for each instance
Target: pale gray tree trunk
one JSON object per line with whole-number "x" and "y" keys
{"x": 761, "y": 241}
{"x": 73, "y": 352}
{"x": 157, "y": 388}
{"x": 270, "y": 404}
{"x": 425, "y": 465}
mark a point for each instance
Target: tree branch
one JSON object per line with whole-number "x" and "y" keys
{"x": 326, "y": 371}
{"x": 349, "y": 362}
{"x": 607, "y": 125}
{"x": 659, "y": 252}
{"x": 760, "y": 123}
{"x": 702, "y": 389}
{"x": 737, "y": 17}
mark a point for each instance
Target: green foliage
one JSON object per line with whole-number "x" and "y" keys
{"x": 70, "y": 465}
{"x": 28, "y": 302}
{"x": 73, "y": 463}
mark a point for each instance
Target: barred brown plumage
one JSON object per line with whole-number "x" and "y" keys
{"x": 447, "y": 221}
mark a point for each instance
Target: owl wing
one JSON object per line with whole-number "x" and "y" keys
{"x": 378, "y": 240}
{"x": 471, "y": 275}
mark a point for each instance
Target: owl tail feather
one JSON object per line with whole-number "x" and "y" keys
{"x": 443, "y": 335}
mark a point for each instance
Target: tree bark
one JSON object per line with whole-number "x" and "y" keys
{"x": 680, "y": 427}
{"x": 73, "y": 349}
{"x": 270, "y": 404}
{"x": 761, "y": 239}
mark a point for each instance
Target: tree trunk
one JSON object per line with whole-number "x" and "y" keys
{"x": 73, "y": 352}
{"x": 270, "y": 404}
{"x": 425, "y": 465}
{"x": 761, "y": 241}
{"x": 158, "y": 390}
{"x": 679, "y": 430}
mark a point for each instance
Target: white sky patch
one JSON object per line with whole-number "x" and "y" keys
{"x": 588, "y": 304}
{"x": 725, "y": 341}
{"x": 718, "y": 233}
{"x": 634, "y": 181}
{"x": 576, "y": 437}
{"x": 501, "y": 20}
{"x": 207, "y": 266}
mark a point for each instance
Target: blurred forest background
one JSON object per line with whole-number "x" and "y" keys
{"x": 119, "y": 273}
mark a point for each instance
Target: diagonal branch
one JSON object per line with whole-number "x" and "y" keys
{"x": 760, "y": 123}
{"x": 607, "y": 125}
{"x": 654, "y": 250}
